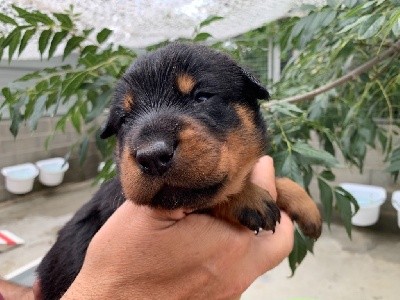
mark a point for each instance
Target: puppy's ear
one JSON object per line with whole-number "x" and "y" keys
{"x": 112, "y": 125}
{"x": 253, "y": 86}
{"x": 107, "y": 130}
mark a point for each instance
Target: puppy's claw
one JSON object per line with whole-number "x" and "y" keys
{"x": 256, "y": 220}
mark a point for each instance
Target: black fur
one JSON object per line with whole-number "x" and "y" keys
{"x": 157, "y": 108}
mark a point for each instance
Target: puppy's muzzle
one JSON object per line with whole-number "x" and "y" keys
{"x": 155, "y": 157}
{"x": 156, "y": 141}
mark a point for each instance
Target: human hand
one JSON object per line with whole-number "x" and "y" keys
{"x": 142, "y": 253}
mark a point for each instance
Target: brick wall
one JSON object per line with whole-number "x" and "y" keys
{"x": 29, "y": 147}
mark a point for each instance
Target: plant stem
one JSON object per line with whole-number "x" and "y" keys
{"x": 393, "y": 50}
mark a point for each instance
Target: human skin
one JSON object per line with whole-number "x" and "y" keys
{"x": 9, "y": 290}
{"x": 143, "y": 253}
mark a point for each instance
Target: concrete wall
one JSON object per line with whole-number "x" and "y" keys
{"x": 29, "y": 147}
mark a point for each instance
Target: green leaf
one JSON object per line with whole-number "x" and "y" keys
{"x": 25, "y": 39}
{"x": 367, "y": 31}
{"x": 328, "y": 175}
{"x": 16, "y": 119}
{"x": 7, "y": 19}
{"x": 72, "y": 84}
{"x": 20, "y": 10}
{"x": 316, "y": 156}
{"x": 301, "y": 245}
{"x": 394, "y": 166}
{"x": 37, "y": 17}
{"x": 57, "y": 39}
{"x": 16, "y": 116}
{"x": 98, "y": 108}
{"x": 72, "y": 44}
{"x": 344, "y": 202}
{"x": 350, "y": 3}
{"x": 83, "y": 150}
{"x": 65, "y": 21}
{"x": 396, "y": 27}
{"x": 10, "y": 37}
{"x": 89, "y": 49}
{"x": 210, "y": 20}
{"x": 40, "y": 105}
{"x": 290, "y": 168}
{"x": 62, "y": 122}
{"x": 30, "y": 76}
{"x": 103, "y": 35}
{"x": 44, "y": 40}
{"x": 13, "y": 45}
{"x": 326, "y": 198}
{"x": 7, "y": 95}
{"x": 202, "y": 36}
{"x": 76, "y": 120}
{"x": 354, "y": 24}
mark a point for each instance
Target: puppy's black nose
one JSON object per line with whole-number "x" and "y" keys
{"x": 155, "y": 158}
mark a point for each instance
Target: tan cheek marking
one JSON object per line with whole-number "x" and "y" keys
{"x": 246, "y": 118}
{"x": 198, "y": 158}
{"x": 242, "y": 150}
{"x": 185, "y": 83}
{"x": 128, "y": 102}
{"x": 136, "y": 187}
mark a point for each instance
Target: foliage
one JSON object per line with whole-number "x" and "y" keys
{"x": 322, "y": 45}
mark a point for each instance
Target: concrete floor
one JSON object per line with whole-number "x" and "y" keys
{"x": 368, "y": 267}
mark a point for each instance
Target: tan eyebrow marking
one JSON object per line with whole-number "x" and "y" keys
{"x": 128, "y": 102}
{"x": 185, "y": 83}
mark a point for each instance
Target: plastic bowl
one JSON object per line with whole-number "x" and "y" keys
{"x": 369, "y": 198}
{"x": 51, "y": 171}
{"x": 20, "y": 178}
{"x": 396, "y": 204}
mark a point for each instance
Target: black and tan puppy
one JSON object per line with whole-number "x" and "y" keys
{"x": 189, "y": 131}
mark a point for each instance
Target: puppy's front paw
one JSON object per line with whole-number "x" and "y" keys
{"x": 264, "y": 218}
{"x": 295, "y": 201}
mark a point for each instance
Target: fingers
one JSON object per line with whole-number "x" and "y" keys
{"x": 263, "y": 175}
{"x": 277, "y": 246}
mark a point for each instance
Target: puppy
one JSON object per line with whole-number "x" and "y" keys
{"x": 189, "y": 130}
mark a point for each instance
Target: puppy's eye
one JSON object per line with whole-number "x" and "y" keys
{"x": 202, "y": 96}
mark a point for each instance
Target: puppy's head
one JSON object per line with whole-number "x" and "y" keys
{"x": 188, "y": 127}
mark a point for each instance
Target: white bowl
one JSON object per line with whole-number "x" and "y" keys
{"x": 19, "y": 178}
{"x": 51, "y": 171}
{"x": 396, "y": 204}
{"x": 369, "y": 198}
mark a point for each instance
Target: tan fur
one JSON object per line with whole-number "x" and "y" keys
{"x": 128, "y": 102}
{"x": 135, "y": 186}
{"x": 185, "y": 83}
{"x": 294, "y": 200}
{"x": 250, "y": 196}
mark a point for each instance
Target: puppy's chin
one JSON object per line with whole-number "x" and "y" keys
{"x": 173, "y": 197}
{"x": 177, "y": 188}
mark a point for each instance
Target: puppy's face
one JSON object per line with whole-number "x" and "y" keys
{"x": 188, "y": 127}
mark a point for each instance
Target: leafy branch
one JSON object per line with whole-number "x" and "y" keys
{"x": 394, "y": 50}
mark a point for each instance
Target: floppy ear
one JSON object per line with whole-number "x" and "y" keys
{"x": 254, "y": 87}
{"x": 114, "y": 122}
{"x": 107, "y": 130}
